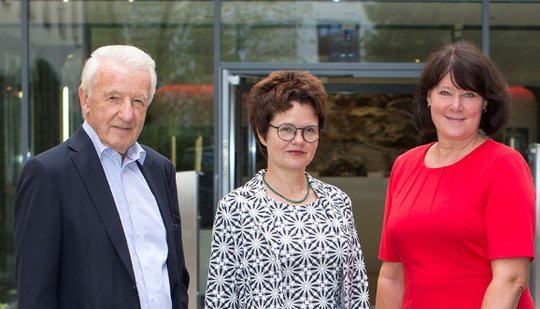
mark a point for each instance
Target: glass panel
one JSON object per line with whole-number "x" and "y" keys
{"x": 369, "y": 124}
{"x": 10, "y": 139}
{"x": 177, "y": 34}
{"x": 515, "y": 47}
{"x": 409, "y": 31}
{"x": 342, "y": 31}
{"x": 56, "y": 53}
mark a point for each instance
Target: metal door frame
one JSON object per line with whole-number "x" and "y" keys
{"x": 229, "y": 77}
{"x": 534, "y": 163}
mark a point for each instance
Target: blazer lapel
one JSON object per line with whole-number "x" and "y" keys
{"x": 90, "y": 170}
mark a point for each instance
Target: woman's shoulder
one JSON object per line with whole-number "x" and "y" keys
{"x": 251, "y": 188}
{"x": 318, "y": 183}
{"x": 495, "y": 156}
{"x": 493, "y": 151}
{"x": 327, "y": 189}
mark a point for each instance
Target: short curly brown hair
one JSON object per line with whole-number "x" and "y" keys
{"x": 274, "y": 95}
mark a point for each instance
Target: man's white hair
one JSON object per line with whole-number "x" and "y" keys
{"x": 128, "y": 55}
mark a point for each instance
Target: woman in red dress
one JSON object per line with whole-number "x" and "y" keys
{"x": 458, "y": 229}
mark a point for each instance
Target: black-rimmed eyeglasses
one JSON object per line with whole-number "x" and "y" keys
{"x": 287, "y": 132}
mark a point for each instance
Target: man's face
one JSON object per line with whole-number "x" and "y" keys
{"x": 118, "y": 103}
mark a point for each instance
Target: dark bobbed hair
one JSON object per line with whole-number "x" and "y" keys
{"x": 470, "y": 70}
{"x": 275, "y": 93}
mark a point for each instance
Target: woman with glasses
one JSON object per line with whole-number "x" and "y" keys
{"x": 286, "y": 239}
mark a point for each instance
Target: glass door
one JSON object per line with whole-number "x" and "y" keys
{"x": 369, "y": 123}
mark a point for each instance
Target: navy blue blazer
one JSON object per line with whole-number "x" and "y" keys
{"x": 70, "y": 247}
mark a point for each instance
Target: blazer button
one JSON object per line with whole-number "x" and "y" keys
{"x": 134, "y": 287}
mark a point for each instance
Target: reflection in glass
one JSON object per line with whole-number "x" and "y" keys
{"x": 10, "y": 140}
{"x": 344, "y": 31}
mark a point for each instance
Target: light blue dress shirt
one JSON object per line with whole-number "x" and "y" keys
{"x": 141, "y": 220}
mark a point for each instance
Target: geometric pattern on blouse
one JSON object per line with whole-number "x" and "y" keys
{"x": 266, "y": 254}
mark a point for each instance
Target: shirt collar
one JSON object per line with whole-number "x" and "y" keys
{"x": 134, "y": 153}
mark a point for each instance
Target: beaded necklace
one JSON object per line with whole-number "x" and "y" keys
{"x": 308, "y": 187}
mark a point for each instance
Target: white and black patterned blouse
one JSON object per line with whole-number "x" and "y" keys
{"x": 266, "y": 254}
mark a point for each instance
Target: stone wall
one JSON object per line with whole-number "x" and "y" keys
{"x": 364, "y": 134}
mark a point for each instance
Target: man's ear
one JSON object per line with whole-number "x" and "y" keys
{"x": 83, "y": 101}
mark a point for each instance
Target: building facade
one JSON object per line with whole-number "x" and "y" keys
{"x": 209, "y": 53}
